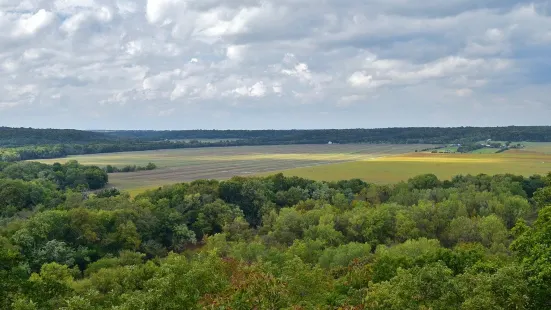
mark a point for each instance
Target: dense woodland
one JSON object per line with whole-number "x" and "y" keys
{"x": 428, "y": 135}
{"x": 62, "y": 150}
{"x": 30, "y": 136}
{"x": 474, "y": 242}
{"x": 25, "y": 186}
{"x": 23, "y": 143}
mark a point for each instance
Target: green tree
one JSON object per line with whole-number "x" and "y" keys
{"x": 183, "y": 236}
{"x": 428, "y": 287}
{"x": 13, "y": 273}
{"x": 532, "y": 248}
{"x": 505, "y": 289}
{"x": 542, "y": 197}
{"x": 51, "y": 286}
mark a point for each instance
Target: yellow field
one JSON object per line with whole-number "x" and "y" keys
{"x": 402, "y": 167}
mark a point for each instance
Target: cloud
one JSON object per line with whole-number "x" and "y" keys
{"x": 28, "y": 24}
{"x": 7, "y": 105}
{"x": 256, "y": 90}
{"x": 158, "y": 10}
{"x": 235, "y": 52}
{"x": 167, "y": 112}
{"x": 275, "y": 64}
{"x": 464, "y": 92}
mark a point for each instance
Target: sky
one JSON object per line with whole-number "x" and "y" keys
{"x": 274, "y": 64}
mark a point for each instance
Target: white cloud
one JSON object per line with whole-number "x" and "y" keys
{"x": 161, "y": 80}
{"x": 300, "y": 71}
{"x": 10, "y": 65}
{"x": 246, "y": 57}
{"x": 464, "y": 92}
{"x": 159, "y": 10}
{"x": 256, "y": 90}
{"x": 235, "y": 52}
{"x": 360, "y": 79}
{"x": 7, "y": 105}
{"x": 31, "y": 24}
{"x": 277, "y": 88}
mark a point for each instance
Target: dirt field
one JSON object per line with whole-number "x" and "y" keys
{"x": 222, "y": 163}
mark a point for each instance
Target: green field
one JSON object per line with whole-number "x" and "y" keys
{"x": 448, "y": 149}
{"x": 225, "y": 162}
{"x": 400, "y": 168}
{"x": 539, "y": 147}
{"x": 203, "y": 140}
{"x": 485, "y": 150}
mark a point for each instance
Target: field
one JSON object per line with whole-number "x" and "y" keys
{"x": 448, "y": 149}
{"x": 225, "y": 162}
{"x": 485, "y": 150}
{"x": 398, "y": 168}
{"x": 373, "y": 163}
{"x": 203, "y": 140}
{"x": 538, "y": 147}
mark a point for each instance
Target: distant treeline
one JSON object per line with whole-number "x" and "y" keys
{"x": 435, "y": 135}
{"x": 62, "y": 150}
{"x": 24, "y": 144}
{"x": 130, "y": 168}
{"x": 10, "y": 137}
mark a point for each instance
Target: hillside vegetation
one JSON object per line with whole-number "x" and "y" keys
{"x": 472, "y": 242}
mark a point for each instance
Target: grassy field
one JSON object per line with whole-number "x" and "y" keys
{"x": 540, "y": 147}
{"x": 225, "y": 162}
{"x": 485, "y": 151}
{"x": 398, "y": 168}
{"x": 449, "y": 149}
{"x": 203, "y": 140}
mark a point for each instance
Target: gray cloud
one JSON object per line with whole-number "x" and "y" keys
{"x": 273, "y": 64}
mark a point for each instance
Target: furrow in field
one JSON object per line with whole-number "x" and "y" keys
{"x": 204, "y": 167}
{"x": 225, "y": 162}
{"x": 217, "y": 170}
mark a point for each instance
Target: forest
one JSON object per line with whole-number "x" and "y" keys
{"x": 407, "y": 135}
{"x": 472, "y": 242}
{"x": 25, "y": 143}
{"x": 11, "y": 137}
{"x": 29, "y": 152}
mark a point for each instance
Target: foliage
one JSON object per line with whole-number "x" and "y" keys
{"x": 130, "y": 168}
{"x": 475, "y": 242}
{"x": 68, "y": 175}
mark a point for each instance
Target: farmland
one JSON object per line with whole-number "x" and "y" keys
{"x": 400, "y": 168}
{"x": 539, "y": 147}
{"x": 378, "y": 163}
{"x": 221, "y": 163}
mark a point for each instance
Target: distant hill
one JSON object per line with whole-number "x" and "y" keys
{"x": 27, "y": 143}
{"x": 11, "y": 137}
{"x": 435, "y": 135}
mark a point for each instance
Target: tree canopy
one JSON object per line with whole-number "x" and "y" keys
{"x": 473, "y": 242}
